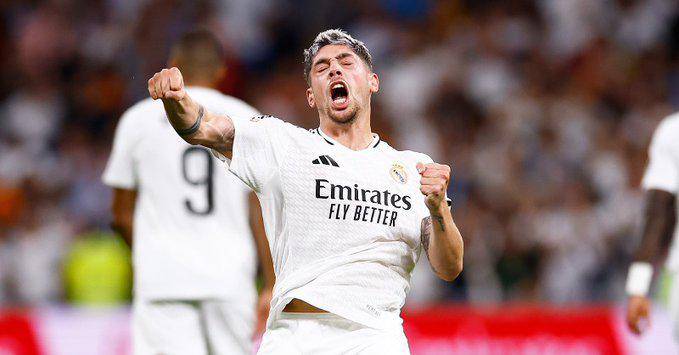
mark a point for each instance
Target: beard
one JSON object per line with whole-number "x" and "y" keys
{"x": 346, "y": 116}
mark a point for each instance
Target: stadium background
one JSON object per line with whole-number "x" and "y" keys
{"x": 544, "y": 109}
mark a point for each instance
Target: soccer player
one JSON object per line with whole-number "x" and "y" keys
{"x": 661, "y": 181}
{"x": 191, "y": 227}
{"x": 346, "y": 215}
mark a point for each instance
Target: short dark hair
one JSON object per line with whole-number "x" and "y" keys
{"x": 198, "y": 53}
{"x": 336, "y": 36}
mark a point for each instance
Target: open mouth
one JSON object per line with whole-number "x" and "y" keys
{"x": 339, "y": 93}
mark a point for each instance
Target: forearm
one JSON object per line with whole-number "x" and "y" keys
{"x": 182, "y": 114}
{"x": 213, "y": 131}
{"x": 445, "y": 247}
{"x": 123, "y": 204}
{"x": 267, "y": 272}
{"x": 191, "y": 121}
{"x": 265, "y": 262}
{"x": 125, "y": 231}
{"x": 262, "y": 244}
{"x": 658, "y": 224}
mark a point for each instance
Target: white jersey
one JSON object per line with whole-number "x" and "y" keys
{"x": 662, "y": 172}
{"x": 192, "y": 238}
{"x": 343, "y": 225}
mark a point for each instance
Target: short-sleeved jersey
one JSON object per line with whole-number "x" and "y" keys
{"x": 343, "y": 226}
{"x": 192, "y": 238}
{"x": 662, "y": 171}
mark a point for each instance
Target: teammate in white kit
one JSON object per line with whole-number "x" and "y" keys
{"x": 346, "y": 215}
{"x": 661, "y": 182}
{"x": 194, "y": 253}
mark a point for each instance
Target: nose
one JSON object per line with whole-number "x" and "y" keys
{"x": 335, "y": 70}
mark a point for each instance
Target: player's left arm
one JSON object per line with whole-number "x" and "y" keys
{"x": 441, "y": 239}
{"x": 122, "y": 208}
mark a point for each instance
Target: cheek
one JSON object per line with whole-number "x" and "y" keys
{"x": 318, "y": 95}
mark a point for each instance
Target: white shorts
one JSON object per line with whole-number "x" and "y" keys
{"x": 326, "y": 333}
{"x": 192, "y": 327}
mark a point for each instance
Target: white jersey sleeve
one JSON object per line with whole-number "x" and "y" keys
{"x": 662, "y": 172}
{"x": 120, "y": 170}
{"x": 260, "y": 144}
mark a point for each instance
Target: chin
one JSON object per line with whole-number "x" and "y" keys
{"x": 346, "y": 116}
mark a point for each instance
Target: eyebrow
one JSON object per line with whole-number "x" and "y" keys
{"x": 325, "y": 60}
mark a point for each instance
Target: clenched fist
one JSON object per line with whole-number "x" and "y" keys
{"x": 167, "y": 84}
{"x": 434, "y": 183}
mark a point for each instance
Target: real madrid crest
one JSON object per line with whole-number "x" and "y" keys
{"x": 398, "y": 173}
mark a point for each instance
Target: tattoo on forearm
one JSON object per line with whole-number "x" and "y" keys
{"x": 439, "y": 221}
{"x": 425, "y": 233}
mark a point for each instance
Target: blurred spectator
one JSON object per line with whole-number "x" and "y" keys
{"x": 543, "y": 108}
{"x": 97, "y": 271}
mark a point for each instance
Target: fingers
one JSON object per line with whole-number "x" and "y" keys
{"x": 176, "y": 79}
{"x": 166, "y": 84}
{"x": 435, "y": 178}
{"x": 633, "y": 323}
{"x": 436, "y": 189}
{"x": 433, "y": 181}
{"x": 638, "y": 315}
{"x": 152, "y": 86}
{"x": 638, "y": 323}
{"x": 434, "y": 170}
{"x": 164, "y": 81}
{"x": 158, "y": 86}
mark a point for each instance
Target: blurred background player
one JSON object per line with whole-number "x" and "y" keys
{"x": 660, "y": 182}
{"x": 191, "y": 229}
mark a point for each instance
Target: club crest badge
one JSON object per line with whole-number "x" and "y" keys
{"x": 398, "y": 173}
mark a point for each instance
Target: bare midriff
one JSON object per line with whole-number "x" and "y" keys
{"x": 299, "y": 306}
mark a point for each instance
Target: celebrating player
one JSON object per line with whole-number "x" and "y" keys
{"x": 346, "y": 215}
{"x": 661, "y": 181}
{"x": 193, "y": 228}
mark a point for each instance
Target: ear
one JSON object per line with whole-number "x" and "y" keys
{"x": 374, "y": 82}
{"x": 310, "y": 98}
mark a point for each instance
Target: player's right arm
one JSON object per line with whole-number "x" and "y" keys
{"x": 191, "y": 121}
{"x": 659, "y": 220}
{"x": 660, "y": 182}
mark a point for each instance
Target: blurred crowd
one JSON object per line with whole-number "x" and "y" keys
{"x": 544, "y": 109}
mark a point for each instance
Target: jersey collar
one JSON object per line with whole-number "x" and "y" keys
{"x": 374, "y": 143}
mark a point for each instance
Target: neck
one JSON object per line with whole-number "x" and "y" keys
{"x": 356, "y": 135}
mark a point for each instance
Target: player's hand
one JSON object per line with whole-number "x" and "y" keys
{"x": 167, "y": 84}
{"x": 434, "y": 183}
{"x": 637, "y": 314}
{"x": 263, "y": 305}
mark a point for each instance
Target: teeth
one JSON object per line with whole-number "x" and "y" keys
{"x": 338, "y": 85}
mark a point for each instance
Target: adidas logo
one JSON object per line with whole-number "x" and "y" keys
{"x": 325, "y": 160}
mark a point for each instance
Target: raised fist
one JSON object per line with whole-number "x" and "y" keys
{"x": 434, "y": 183}
{"x": 167, "y": 84}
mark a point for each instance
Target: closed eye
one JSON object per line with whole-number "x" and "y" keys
{"x": 347, "y": 62}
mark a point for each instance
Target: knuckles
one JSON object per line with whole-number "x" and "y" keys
{"x": 437, "y": 170}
